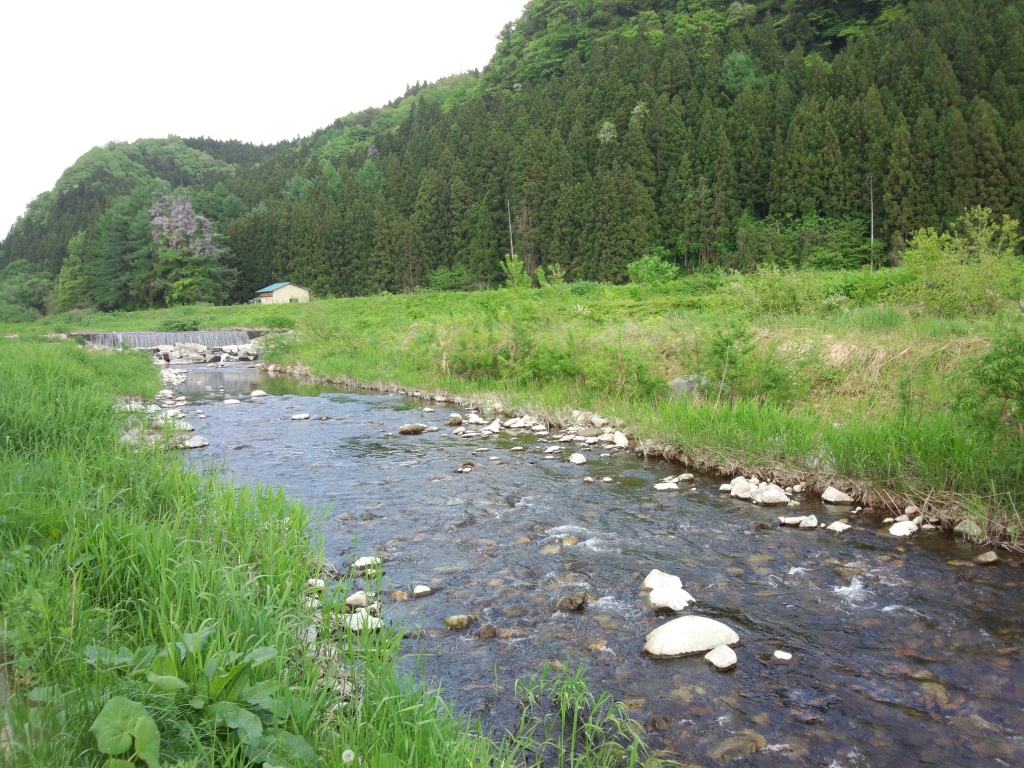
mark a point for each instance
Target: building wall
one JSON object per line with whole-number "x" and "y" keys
{"x": 285, "y": 295}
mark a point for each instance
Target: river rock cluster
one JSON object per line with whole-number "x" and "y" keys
{"x": 187, "y": 353}
{"x": 687, "y": 635}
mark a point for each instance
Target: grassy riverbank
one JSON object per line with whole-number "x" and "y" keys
{"x": 151, "y": 614}
{"x": 902, "y": 385}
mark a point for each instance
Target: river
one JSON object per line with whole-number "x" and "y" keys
{"x": 901, "y": 656}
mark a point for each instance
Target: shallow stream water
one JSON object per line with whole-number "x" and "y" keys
{"x": 899, "y": 657}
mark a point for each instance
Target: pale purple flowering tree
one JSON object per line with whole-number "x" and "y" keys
{"x": 188, "y": 258}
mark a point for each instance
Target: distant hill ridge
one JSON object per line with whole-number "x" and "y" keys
{"x": 713, "y": 133}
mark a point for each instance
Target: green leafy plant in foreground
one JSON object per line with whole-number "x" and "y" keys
{"x": 204, "y": 687}
{"x": 121, "y": 722}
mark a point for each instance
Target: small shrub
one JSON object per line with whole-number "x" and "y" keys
{"x": 652, "y": 270}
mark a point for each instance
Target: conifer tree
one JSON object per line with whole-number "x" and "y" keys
{"x": 990, "y": 161}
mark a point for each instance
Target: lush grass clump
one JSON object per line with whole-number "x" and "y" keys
{"x": 153, "y": 615}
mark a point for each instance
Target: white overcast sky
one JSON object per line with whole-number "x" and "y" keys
{"x": 75, "y": 74}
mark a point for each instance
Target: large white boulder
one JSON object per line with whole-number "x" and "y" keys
{"x": 688, "y": 635}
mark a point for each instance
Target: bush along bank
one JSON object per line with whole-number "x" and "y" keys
{"x": 152, "y": 615}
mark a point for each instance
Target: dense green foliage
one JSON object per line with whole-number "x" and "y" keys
{"x": 730, "y": 134}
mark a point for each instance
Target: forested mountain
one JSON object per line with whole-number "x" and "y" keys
{"x": 714, "y": 132}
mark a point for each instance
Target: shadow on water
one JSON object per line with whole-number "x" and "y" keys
{"x": 899, "y": 657}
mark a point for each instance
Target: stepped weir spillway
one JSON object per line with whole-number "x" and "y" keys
{"x": 154, "y": 339}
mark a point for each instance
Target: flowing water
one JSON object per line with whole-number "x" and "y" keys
{"x": 151, "y": 339}
{"x": 899, "y": 657}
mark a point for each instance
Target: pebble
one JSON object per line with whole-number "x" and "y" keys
{"x": 257, "y": 393}
{"x": 459, "y": 621}
{"x": 232, "y": 401}
{"x": 838, "y": 527}
{"x": 666, "y": 487}
{"x": 410, "y": 429}
{"x": 421, "y": 590}
{"x": 783, "y": 655}
{"x": 809, "y": 522}
{"x": 722, "y": 658}
{"x": 196, "y": 442}
{"x": 487, "y": 632}
{"x": 300, "y": 417}
{"x": 987, "y": 558}
{"x": 578, "y": 458}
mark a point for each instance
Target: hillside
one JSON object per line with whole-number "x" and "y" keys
{"x": 717, "y": 134}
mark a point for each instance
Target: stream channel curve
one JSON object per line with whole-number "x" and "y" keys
{"x": 899, "y": 657}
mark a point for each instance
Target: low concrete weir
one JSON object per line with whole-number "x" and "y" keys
{"x": 154, "y": 339}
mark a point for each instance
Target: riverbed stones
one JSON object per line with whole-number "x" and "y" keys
{"x": 422, "y": 590}
{"x": 987, "y": 558}
{"x": 782, "y": 656}
{"x": 487, "y": 632}
{"x": 666, "y": 486}
{"x": 620, "y": 440}
{"x": 412, "y": 429}
{"x": 809, "y": 522}
{"x": 455, "y": 420}
{"x": 687, "y": 636}
{"x": 903, "y": 528}
{"x": 257, "y": 393}
{"x": 838, "y": 527}
{"x": 835, "y": 496}
{"x": 722, "y": 658}
{"x": 196, "y": 441}
{"x": 232, "y": 401}
{"x": 459, "y": 621}
{"x": 300, "y": 417}
{"x": 577, "y": 458}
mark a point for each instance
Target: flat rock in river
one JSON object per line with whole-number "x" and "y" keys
{"x": 688, "y": 635}
{"x": 668, "y": 600}
{"x": 411, "y": 429}
{"x": 658, "y": 580}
